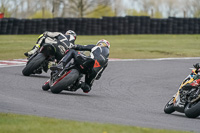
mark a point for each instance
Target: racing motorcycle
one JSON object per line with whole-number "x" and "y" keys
{"x": 187, "y": 99}
{"x": 40, "y": 59}
{"x": 69, "y": 77}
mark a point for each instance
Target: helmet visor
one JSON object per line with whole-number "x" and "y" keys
{"x": 102, "y": 44}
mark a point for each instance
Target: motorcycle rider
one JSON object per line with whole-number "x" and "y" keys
{"x": 99, "y": 53}
{"x": 195, "y": 75}
{"x": 66, "y": 40}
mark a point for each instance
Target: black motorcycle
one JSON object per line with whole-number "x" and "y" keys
{"x": 40, "y": 59}
{"x": 69, "y": 77}
{"x": 187, "y": 99}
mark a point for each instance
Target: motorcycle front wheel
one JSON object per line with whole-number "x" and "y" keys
{"x": 46, "y": 86}
{"x": 169, "y": 107}
{"x": 33, "y": 64}
{"x": 192, "y": 110}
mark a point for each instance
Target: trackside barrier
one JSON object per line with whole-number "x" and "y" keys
{"x": 103, "y": 26}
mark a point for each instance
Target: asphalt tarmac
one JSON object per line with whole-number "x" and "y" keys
{"x": 130, "y": 92}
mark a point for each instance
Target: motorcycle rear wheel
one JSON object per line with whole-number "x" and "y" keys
{"x": 192, "y": 110}
{"x": 65, "y": 81}
{"x": 33, "y": 64}
{"x": 169, "y": 107}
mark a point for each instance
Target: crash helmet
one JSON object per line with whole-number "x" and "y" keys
{"x": 103, "y": 43}
{"x": 71, "y": 32}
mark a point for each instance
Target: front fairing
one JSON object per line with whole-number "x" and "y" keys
{"x": 188, "y": 80}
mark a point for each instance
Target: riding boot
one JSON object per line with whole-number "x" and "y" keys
{"x": 34, "y": 49}
{"x": 60, "y": 66}
{"x": 85, "y": 87}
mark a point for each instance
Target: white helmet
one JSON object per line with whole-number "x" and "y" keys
{"x": 71, "y": 32}
{"x": 103, "y": 43}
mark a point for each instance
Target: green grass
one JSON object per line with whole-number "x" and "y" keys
{"x": 13, "y": 123}
{"x": 122, "y": 46}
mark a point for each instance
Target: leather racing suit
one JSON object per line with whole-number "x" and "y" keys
{"x": 98, "y": 54}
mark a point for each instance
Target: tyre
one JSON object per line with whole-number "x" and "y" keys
{"x": 192, "y": 110}
{"x": 169, "y": 108}
{"x": 33, "y": 64}
{"x": 46, "y": 86}
{"x": 65, "y": 81}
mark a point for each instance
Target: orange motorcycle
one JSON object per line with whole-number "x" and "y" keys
{"x": 187, "y": 99}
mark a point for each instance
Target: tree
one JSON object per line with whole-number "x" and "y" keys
{"x": 80, "y": 7}
{"x": 172, "y": 7}
{"x": 84, "y": 8}
{"x": 196, "y": 8}
{"x": 100, "y": 11}
{"x": 148, "y": 8}
{"x": 56, "y": 4}
{"x": 133, "y": 12}
{"x": 157, "y": 14}
{"x": 118, "y": 6}
{"x": 4, "y": 7}
{"x": 24, "y": 8}
{"x": 39, "y": 14}
{"x": 147, "y": 5}
{"x": 190, "y": 8}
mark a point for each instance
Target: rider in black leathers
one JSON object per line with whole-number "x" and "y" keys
{"x": 66, "y": 40}
{"x": 99, "y": 53}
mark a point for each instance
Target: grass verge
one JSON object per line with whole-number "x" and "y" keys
{"x": 122, "y": 46}
{"x": 14, "y": 123}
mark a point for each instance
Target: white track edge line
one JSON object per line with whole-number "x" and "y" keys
{"x": 157, "y": 59}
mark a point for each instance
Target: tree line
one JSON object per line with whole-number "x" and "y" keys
{"x": 99, "y": 8}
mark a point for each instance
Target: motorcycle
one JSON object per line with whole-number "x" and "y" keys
{"x": 187, "y": 99}
{"x": 68, "y": 78}
{"x": 40, "y": 59}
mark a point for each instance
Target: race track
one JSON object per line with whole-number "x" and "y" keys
{"x": 128, "y": 93}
